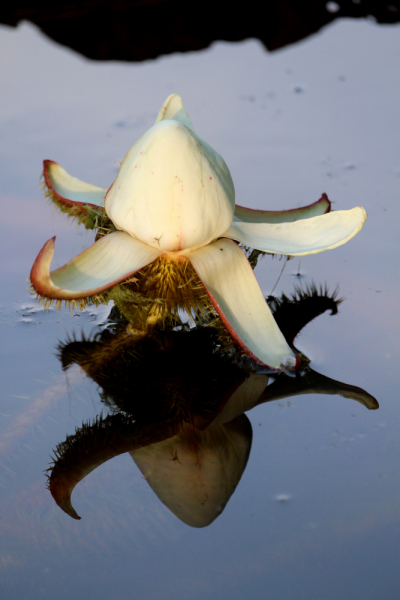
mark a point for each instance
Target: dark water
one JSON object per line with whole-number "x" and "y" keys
{"x": 316, "y": 513}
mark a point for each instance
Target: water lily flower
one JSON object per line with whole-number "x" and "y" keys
{"x": 173, "y": 205}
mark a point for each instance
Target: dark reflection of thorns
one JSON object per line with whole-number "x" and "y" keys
{"x": 157, "y": 398}
{"x": 92, "y": 445}
{"x": 293, "y": 313}
{"x": 177, "y": 375}
{"x": 93, "y": 355}
{"x": 311, "y": 382}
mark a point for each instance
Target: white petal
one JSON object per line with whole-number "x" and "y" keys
{"x": 173, "y": 191}
{"x": 69, "y": 189}
{"x": 232, "y": 286}
{"x": 307, "y": 236}
{"x": 109, "y": 261}
{"x": 195, "y": 472}
{"x": 249, "y": 215}
{"x": 174, "y": 110}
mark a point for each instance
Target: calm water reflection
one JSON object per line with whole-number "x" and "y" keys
{"x": 316, "y": 512}
{"x": 177, "y": 401}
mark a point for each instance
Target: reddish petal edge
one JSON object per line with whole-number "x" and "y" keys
{"x": 324, "y": 198}
{"x": 65, "y": 201}
{"x": 43, "y": 285}
{"x": 237, "y": 339}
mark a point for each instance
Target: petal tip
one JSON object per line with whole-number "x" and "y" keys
{"x": 61, "y": 492}
{"x": 324, "y": 198}
{"x": 71, "y": 192}
{"x": 47, "y": 162}
{"x": 69, "y": 510}
{"x": 362, "y": 219}
{"x": 40, "y": 272}
{"x": 291, "y": 362}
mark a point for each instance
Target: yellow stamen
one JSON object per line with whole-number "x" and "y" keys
{"x": 154, "y": 296}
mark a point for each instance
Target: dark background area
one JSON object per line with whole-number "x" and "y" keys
{"x": 137, "y": 30}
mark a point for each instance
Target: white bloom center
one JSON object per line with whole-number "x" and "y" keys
{"x": 173, "y": 191}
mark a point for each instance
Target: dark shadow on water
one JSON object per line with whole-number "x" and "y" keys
{"x": 135, "y": 30}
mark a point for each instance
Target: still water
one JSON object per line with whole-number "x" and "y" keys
{"x": 315, "y": 512}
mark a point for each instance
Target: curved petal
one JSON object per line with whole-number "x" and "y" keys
{"x": 195, "y": 472}
{"x": 112, "y": 259}
{"x": 94, "y": 444}
{"x": 244, "y": 398}
{"x": 233, "y": 289}
{"x": 307, "y": 236}
{"x": 69, "y": 190}
{"x": 312, "y": 382}
{"x": 173, "y": 109}
{"x": 249, "y": 215}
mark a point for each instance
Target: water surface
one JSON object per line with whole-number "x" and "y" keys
{"x": 316, "y": 512}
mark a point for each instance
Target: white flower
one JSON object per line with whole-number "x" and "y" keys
{"x": 174, "y": 198}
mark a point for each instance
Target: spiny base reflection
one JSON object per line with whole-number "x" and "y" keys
{"x": 177, "y": 401}
{"x": 171, "y": 377}
{"x": 293, "y": 313}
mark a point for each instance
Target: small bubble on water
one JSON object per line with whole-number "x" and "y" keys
{"x": 283, "y": 498}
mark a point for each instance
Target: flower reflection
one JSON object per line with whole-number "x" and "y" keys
{"x": 177, "y": 402}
